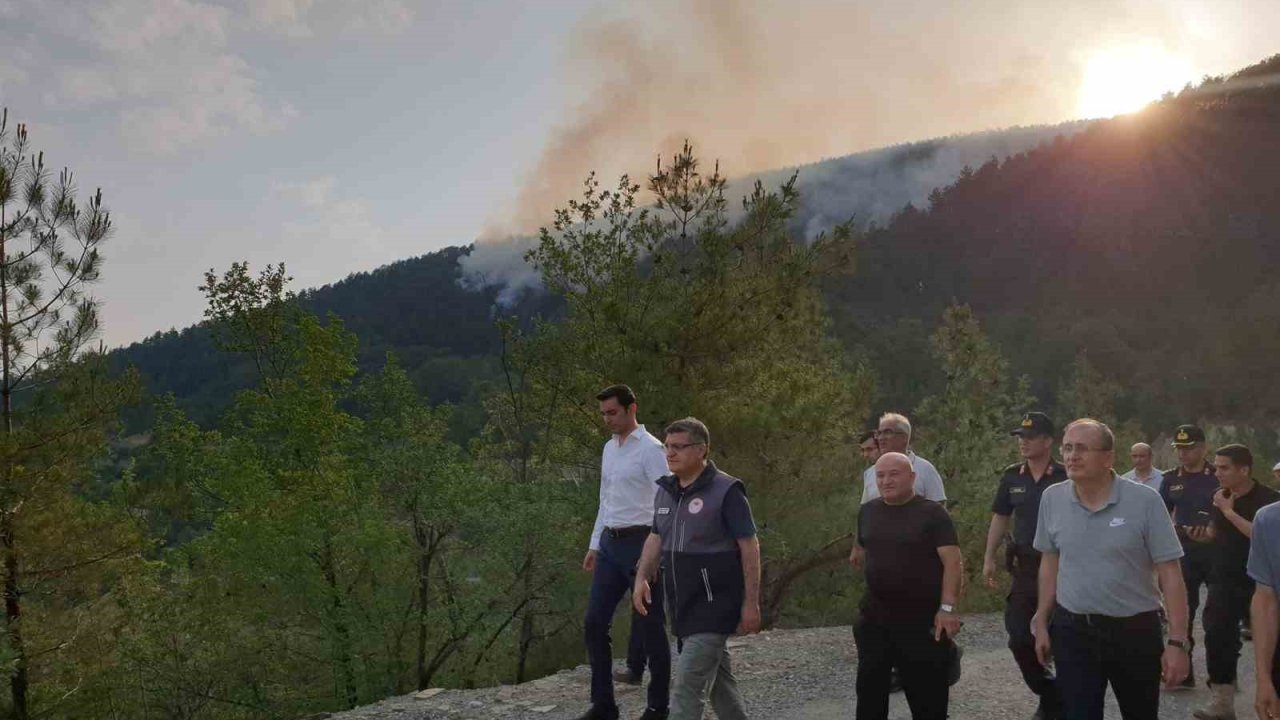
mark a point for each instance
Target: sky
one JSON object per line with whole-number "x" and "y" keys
{"x": 339, "y": 136}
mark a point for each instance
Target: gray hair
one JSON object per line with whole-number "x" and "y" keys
{"x": 1108, "y": 437}
{"x": 693, "y": 427}
{"x": 899, "y": 421}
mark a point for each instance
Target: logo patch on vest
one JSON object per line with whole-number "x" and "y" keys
{"x": 695, "y": 506}
{"x": 1017, "y": 490}
{"x": 664, "y": 511}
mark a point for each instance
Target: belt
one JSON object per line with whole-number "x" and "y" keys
{"x": 627, "y": 531}
{"x": 1107, "y": 621}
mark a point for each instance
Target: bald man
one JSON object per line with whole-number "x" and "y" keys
{"x": 1143, "y": 472}
{"x": 908, "y": 616}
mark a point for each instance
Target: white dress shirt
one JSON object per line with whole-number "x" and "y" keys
{"x": 629, "y": 470}
{"x": 928, "y": 481}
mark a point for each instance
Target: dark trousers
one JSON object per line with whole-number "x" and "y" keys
{"x": 1019, "y": 608}
{"x": 922, "y": 664}
{"x": 1196, "y": 566}
{"x": 1092, "y": 651}
{"x": 1227, "y": 606}
{"x": 635, "y": 646}
{"x": 614, "y": 575}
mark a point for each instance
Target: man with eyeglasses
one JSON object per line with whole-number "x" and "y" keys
{"x": 1102, "y": 541}
{"x": 704, "y": 540}
{"x": 1188, "y": 494}
{"x": 894, "y": 435}
{"x": 1017, "y": 500}
{"x": 630, "y": 466}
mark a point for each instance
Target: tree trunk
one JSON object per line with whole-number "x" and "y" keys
{"x": 342, "y": 641}
{"x": 426, "y": 553}
{"x": 18, "y": 681}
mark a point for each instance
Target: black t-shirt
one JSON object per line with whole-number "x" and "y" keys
{"x": 904, "y": 572}
{"x": 1230, "y": 546}
{"x": 1019, "y": 496}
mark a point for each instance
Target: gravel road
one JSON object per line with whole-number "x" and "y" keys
{"x": 792, "y": 675}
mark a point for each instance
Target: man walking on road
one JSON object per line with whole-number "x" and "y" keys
{"x": 1188, "y": 493}
{"x": 630, "y": 467}
{"x": 1018, "y": 499}
{"x": 908, "y": 617}
{"x": 1230, "y": 589}
{"x": 705, "y": 540}
{"x": 1101, "y": 541}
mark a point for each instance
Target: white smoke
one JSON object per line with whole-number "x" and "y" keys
{"x": 868, "y": 187}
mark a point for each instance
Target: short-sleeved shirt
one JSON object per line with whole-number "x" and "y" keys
{"x": 1018, "y": 495}
{"x": 1189, "y": 496}
{"x": 1230, "y": 546}
{"x": 1264, "y": 550}
{"x": 1106, "y": 556}
{"x": 904, "y": 571}
{"x": 736, "y": 513}
{"x": 928, "y": 481}
{"x": 1153, "y": 480}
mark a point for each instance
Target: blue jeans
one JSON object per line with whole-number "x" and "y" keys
{"x": 614, "y": 575}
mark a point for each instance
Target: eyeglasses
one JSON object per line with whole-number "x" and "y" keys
{"x": 677, "y": 447}
{"x": 889, "y": 431}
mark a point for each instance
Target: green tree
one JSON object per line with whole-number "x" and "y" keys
{"x": 964, "y": 430}
{"x": 60, "y": 554}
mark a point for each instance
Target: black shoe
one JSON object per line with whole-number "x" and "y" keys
{"x": 600, "y": 713}
{"x": 627, "y": 677}
{"x": 1045, "y": 714}
{"x": 652, "y": 714}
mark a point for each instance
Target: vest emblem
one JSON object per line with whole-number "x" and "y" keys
{"x": 695, "y": 506}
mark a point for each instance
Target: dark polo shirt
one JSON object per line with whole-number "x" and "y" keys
{"x": 1230, "y": 546}
{"x": 1018, "y": 495}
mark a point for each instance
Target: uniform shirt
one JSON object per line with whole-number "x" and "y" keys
{"x": 1230, "y": 546}
{"x": 1264, "y": 550}
{"x": 1019, "y": 496}
{"x": 904, "y": 571}
{"x": 1154, "y": 480}
{"x": 1189, "y": 496}
{"x": 629, "y": 469}
{"x": 1106, "y": 557}
{"x": 928, "y": 481}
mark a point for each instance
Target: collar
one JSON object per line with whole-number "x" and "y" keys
{"x": 671, "y": 483}
{"x": 1203, "y": 471}
{"x": 622, "y": 440}
{"x": 1112, "y": 499}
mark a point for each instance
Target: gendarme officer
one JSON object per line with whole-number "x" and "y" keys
{"x": 1018, "y": 499}
{"x": 1188, "y": 492}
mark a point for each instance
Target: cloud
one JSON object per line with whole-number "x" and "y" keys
{"x": 310, "y": 18}
{"x": 166, "y": 69}
{"x": 328, "y": 229}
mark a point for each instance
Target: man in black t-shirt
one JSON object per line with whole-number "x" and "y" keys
{"x": 1227, "y": 540}
{"x": 908, "y": 616}
{"x": 1188, "y": 493}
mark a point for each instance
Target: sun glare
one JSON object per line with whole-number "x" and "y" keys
{"x": 1125, "y": 79}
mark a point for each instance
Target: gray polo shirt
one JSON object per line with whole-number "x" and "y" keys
{"x": 1106, "y": 558}
{"x": 1264, "y": 547}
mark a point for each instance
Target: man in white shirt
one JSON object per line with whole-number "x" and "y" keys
{"x": 632, "y": 462}
{"x": 894, "y": 435}
{"x": 1143, "y": 472}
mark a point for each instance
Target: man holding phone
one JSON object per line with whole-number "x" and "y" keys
{"x": 1188, "y": 492}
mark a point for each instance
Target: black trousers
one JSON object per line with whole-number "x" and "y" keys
{"x": 1092, "y": 651}
{"x": 1019, "y": 608}
{"x": 922, "y": 664}
{"x": 635, "y": 646}
{"x": 1227, "y": 606}
{"x": 1197, "y": 564}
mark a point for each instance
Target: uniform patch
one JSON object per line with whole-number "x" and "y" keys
{"x": 1175, "y": 488}
{"x": 1017, "y": 490}
{"x": 664, "y": 511}
{"x": 695, "y": 506}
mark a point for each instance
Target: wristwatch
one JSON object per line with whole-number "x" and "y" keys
{"x": 946, "y": 608}
{"x": 1180, "y": 644}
